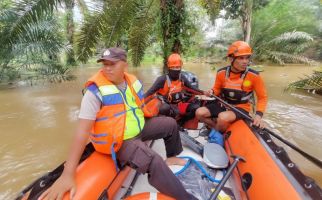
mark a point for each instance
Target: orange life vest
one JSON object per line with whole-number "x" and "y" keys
{"x": 109, "y": 127}
{"x": 172, "y": 90}
{"x": 233, "y": 91}
{"x": 152, "y": 104}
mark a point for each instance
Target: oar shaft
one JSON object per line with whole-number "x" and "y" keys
{"x": 226, "y": 177}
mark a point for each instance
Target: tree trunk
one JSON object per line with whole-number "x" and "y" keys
{"x": 247, "y": 20}
{"x": 171, "y": 26}
{"x": 70, "y": 29}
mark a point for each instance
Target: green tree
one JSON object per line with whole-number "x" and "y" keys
{"x": 23, "y": 25}
{"x": 212, "y": 7}
{"x": 27, "y": 42}
{"x": 283, "y": 30}
{"x": 135, "y": 25}
{"x": 172, "y": 20}
{"x": 242, "y": 10}
{"x": 34, "y": 11}
{"x": 125, "y": 23}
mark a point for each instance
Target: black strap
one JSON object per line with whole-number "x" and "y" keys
{"x": 243, "y": 75}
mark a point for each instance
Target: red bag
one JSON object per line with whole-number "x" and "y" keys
{"x": 183, "y": 108}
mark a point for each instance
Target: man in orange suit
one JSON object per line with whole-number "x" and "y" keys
{"x": 236, "y": 84}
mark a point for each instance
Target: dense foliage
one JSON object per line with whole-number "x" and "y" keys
{"x": 283, "y": 30}
{"x": 28, "y": 44}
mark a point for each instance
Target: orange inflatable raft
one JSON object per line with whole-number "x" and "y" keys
{"x": 268, "y": 173}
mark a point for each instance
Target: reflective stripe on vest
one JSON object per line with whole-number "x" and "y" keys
{"x": 120, "y": 116}
{"x": 134, "y": 115}
{"x": 138, "y": 88}
{"x": 111, "y": 95}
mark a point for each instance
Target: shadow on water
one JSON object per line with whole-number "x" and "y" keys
{"x": 37, "y": 122}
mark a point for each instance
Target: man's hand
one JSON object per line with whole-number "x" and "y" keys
{"x": 258, "y": 122}
{"x": 62, "y": 185}
{"x": 66, "y": 182}
{"x": 208, "y": 93}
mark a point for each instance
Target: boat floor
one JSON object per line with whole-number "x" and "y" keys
{"x": 142, "y": 184}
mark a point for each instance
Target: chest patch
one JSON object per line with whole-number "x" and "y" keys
{"x": 247, "y": 83}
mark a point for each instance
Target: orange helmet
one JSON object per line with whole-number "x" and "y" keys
{"x": 239, "y": 48}
{"x": 174, "y": 60}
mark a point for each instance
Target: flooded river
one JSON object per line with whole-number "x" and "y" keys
{"x": 36, "y": 123}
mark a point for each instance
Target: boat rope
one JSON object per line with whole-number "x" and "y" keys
{"x": 203, "y": 170}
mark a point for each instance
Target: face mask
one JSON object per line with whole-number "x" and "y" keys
{"x": 174, "y": 74}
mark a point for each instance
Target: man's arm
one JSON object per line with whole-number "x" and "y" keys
{"x": 186, "y": 83}
{"x": 66, "y": 182}
{"x": 220, "y": 79}
{"x": 261, "y": 94}
{"x": 157, "y": 85}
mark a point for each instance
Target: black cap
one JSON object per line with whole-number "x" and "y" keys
{"x": 113, "y": 54}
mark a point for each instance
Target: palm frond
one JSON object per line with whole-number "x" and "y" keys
{"x": 42, "y": 37}
{"x": 118, "y": 17}
{"x": 82, "y": 6}
{"x": 35, "y": 43}
{"x": 310, "y": 83}
{"x": 282, "y": 58}
{"x": 31, "y": 11}
{"x": 105, "y": 27}
{"x": 281, "y": 31}
{"x": 89, "y": 36}
{"x": 294, "y": 36}
{"x": 291, "y": 42}
{"x": 140, "y": 31}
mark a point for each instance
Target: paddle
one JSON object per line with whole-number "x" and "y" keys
{"x": 226, "y": 177}
{"x": 306, "y": 155}
{"x": 212, "y": 148}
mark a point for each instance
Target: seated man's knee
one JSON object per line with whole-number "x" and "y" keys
{"x": 201, "y": 112}
{"x": 169, "y": 122}
{"x": 152, "y": 164}
{"x": 226, "y": 117}
{"x": 156, "y": 161}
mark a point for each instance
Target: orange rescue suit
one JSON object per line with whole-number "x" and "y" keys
{"x": 237, "y": 88}
{"x": 172, "y": 90}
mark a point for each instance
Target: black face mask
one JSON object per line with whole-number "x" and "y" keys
{"x": 174, "y": 74}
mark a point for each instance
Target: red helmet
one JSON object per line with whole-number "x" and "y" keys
{"x": 239, "y": 48}
{"x": 174, "y": 60}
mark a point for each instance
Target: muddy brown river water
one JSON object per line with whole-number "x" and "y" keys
{"x": 36, "y": 123}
